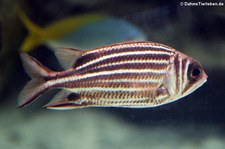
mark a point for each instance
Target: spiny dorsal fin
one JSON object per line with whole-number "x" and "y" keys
{"x": 67, "y": 56}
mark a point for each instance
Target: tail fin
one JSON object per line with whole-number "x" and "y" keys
{"x": 34, "y": 37}
{"x": 36, "y": 86}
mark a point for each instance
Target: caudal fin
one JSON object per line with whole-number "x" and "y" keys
{"x": 36, "y": 87}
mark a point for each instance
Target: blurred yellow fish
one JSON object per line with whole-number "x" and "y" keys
{"x": 77, "y": 31}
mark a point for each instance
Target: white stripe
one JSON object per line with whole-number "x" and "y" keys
{"x": 180, "y": 74}
{"x": 171, "y": 78}
{"x": 185, "y": 75}
{"x": 103, "y": 73}
{"x": 120, "y": 55}
{"x": 150, "y": 61}
{"x": 121, "y": 101}
{"x": 93, "y": 89}
{"x": 132, "y": 45}
{"x": 126, "y": 81}
{"x": 160, "y": 97}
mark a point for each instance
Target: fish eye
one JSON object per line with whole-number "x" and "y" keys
{"x": 195, "y": 71}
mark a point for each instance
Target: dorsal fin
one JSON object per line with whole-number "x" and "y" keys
{"x": 67, "y": 56}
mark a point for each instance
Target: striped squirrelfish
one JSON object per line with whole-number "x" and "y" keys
{"x": 130, "y": 74}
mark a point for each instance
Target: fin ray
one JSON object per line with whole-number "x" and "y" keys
{"x": 33, "y": 68}
{"x": 30, "y": 92}
{"x": 34, "y": 88}
{"x": 65, "y": 100}
{"x": 67, "y": 56}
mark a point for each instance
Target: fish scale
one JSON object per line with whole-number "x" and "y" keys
{"x": 128, "y": 66}
{"x": 116, "y": 95}
{"x": 124, "y": 77}
{"x": 131, "y": 74}
{"x": 99, "y": 53}
{"x": 115, "y": 81}
{"x": 125, "y": 64}
{"x": 123, "y": 55}
{"x": 107, "y": 98}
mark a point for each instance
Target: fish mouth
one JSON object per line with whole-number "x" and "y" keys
{"x": 204, "y": 77}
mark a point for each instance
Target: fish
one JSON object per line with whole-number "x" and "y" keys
{"x": 128, "y": 74}
{"x": 72, "y": 31}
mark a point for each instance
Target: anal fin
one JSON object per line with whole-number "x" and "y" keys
{"x": 66, "y": 100}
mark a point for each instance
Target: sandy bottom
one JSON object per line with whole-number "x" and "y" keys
{"x": 95, "y": 129}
